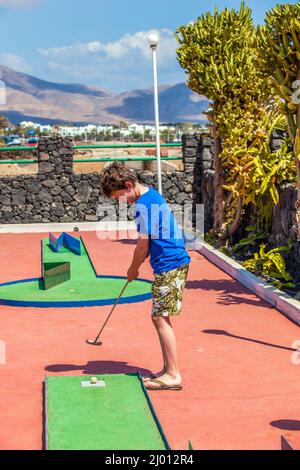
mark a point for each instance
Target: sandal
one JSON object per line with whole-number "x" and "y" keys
{"x": 149, "y": 377}
{"x": 162, "y": 385}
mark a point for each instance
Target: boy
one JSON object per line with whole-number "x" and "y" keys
{"x": 160, "y": 237}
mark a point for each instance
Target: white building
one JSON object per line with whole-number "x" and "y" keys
{"x": 90, "y": 129}
{"x": 105, "y": 129}
{"x": 46, "y": 128}
{"x": 74, "y": 131}
{"x": 29, "y": 124}
{"x": 36, "y": 126}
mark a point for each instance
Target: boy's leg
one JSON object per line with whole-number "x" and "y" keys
{"x": 167, "y": 300}
{"x": 167, "y": 343}
{"x": 170, "y": 375}
{"x": 162, "y": 371}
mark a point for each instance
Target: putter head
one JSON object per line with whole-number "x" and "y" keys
{"x": 93, "y": 342}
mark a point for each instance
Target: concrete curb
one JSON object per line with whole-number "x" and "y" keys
{"x": 278, "y": 299}
{"x": 67, "y": 227}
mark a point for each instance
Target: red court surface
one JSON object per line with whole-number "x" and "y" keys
{"x": 241, "y": 389}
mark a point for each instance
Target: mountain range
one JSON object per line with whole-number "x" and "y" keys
{"x": 34, "y": 99}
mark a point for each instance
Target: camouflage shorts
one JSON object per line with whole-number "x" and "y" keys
{"x": 167, "y": 291}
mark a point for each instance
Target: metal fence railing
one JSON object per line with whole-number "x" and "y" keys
{"x": 125, "y": 146}
{"x": 96, "y": 159}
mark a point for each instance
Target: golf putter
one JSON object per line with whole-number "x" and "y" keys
{"x": 95, "y": 342}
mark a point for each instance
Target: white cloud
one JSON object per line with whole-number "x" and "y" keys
{"x": 119, "y": 65}
{"x": 124, "y": 47}
{"x": 19, "y": 3}
{"x": 14, "y": 61}
{"x": 77, "y": 50}
{"x": 138, "y": 43}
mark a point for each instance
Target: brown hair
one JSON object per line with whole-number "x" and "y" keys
{"x": 114, "y": 176}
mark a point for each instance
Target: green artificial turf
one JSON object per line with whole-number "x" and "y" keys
{"x": 114, "y": 417}
{"x": 83, "y": 284}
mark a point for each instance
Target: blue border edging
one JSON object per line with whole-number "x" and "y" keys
{"x": 87, "y": 252}
{"x": 158, "y": 424}
{"x": 75, "y": 303}
{"x": 107, "y": 275}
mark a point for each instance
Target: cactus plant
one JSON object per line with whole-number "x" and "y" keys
{"x": 219, "y": 53}
{"x": 279, "y": 51}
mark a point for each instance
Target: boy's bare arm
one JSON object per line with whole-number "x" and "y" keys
{"x": 141, "y": 252}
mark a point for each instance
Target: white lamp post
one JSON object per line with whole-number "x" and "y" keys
{"x": 153, "y": 40}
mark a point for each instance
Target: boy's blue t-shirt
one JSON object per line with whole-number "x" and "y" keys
{"x": 154, "y": 218}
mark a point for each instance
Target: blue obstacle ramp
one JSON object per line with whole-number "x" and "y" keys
{"x": 72, "y": 243}
{"x": 56, "y": 243}
{"x": 65, "y": 240}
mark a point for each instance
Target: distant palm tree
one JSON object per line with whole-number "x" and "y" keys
{"x": 4, "y": 123}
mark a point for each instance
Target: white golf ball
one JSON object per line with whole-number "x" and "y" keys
{"x": 94, "y": 380}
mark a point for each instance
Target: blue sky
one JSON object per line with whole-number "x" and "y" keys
{"x": 100, "y": 42}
